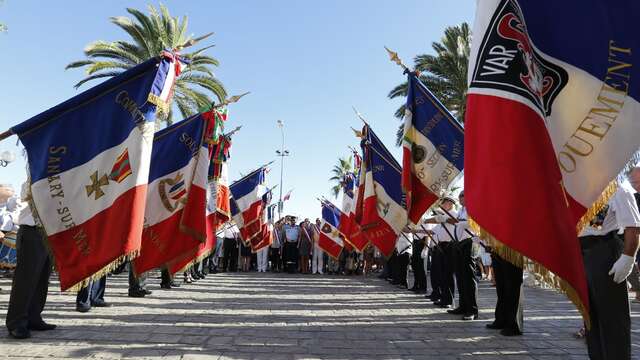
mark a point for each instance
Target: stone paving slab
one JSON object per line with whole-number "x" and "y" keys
{"x": 282, "y": 316}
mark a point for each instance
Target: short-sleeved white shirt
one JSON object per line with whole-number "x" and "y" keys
{"x": 622, "y": 213}
{"x": 441, "y": 234}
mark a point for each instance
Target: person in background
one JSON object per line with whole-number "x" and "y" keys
{"x": 304, "y": 245}
{"x": 230, "y": 260}
{"x": 245, "y": 253}
{"x": 92, "y": 295}
{"x": 318, "y": 255}
{"x": 275, "y": 250}
{"x": 368, "y": 259}
{"x": 634, "y": 278}
{"x": 31, "y": 279}
{"x": 442, "y": 273}
{"x": 292, "y": 234}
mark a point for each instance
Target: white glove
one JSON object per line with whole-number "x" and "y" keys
{"x": 440, "y": 218}
{"x": 622, "y": 268}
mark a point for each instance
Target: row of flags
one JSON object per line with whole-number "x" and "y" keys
{"x": 382, "y": 197}
{"x": 107, "y": 188}
{"x": 550, "y": 128}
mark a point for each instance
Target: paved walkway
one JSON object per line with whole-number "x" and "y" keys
{"x": 278, "y": 316}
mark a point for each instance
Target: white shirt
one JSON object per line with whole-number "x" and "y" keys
{"x": 403, "y": 246}
{"x": 622, "y": 213}
{"x": 441, "y": 234}
{"x": 463, "y": 226}
{"x": 229, "y": 232}
{"x": 25, "y": 217}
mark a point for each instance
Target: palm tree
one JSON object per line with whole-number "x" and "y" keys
{"x": 151, "y": 34}
{"x": 445, "y": 73}
{"x": 339, "y": 171}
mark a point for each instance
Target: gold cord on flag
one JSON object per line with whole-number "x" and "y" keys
{"x": 595, "y": 208}
{"x": 548, "y": 277}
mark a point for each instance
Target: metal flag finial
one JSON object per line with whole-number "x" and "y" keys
{"x": 230, "y": 100}
{"x": 393, "y": 56}
{"x": 359, "y": 115}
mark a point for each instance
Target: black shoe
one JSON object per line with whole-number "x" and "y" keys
{"x": 510, "y": 332}
{"x": 20, "y": 333}
{"x": 83, "y": 309}
{"x": 456, "y": 311}
{"x": 137, "y": 293}
{"x": 494, "y": 326}
{"x": 468, "y": 317}
{"x": 165, "y": 286}
{"x": 147, "y": 291}
{"x": 43, "y": 326}
{"x": 101, "y": 303}
{"x": 174, "y": 284}
{"x": 414, "y": 289}
{"x": 445, "y": 306}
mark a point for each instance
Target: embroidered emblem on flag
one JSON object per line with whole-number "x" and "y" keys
{"x": 176, "y": 192}
{"x": 507, "y": 46}
{"x": 122, "y": 168}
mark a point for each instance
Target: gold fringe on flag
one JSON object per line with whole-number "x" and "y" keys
{"x": 547, "y": 276}
{"x": 105, "y": 270}
{"x": 597, "y": 205}
{"x": 191, "y": 263}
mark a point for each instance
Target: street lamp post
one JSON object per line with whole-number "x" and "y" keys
{"x": 281, "y": 153}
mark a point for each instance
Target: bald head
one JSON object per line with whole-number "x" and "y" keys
{"x": 634, "y": 178}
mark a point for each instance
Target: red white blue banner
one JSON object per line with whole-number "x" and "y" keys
{"x": 89, "y": 166}
{"x": 383, "y": 215}
{"x": 433, "y": 149}
{"x": 175, "y": 220}
{"x": 247, "y": 204}
{"x": 331, "y": 240}
{"x": 552, "y": 118}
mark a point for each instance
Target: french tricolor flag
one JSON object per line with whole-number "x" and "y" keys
{"x": 383, "y": 214}
{"x": 176, "y": 200}
{"x": 433, "y": 149}
{"x": 553, "y": 112}
{"x": 348, "y": 224}
{"x": 89, "y": 166}
{"x": 331, "y": 240}
{"x": 247, "y": 194}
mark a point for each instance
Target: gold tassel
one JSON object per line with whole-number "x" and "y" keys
{"x": 547, "y": 276}
{"x": 105, "y": 270}
{"x": 597, "y": 206}
{"x": 161, "y": 105}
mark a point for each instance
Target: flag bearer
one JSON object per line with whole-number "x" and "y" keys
{"x": 609, "y": 246}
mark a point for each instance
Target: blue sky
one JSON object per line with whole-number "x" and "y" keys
{"x": 305, "y": 62}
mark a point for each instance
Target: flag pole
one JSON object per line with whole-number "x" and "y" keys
{"x": 226, "y": 102}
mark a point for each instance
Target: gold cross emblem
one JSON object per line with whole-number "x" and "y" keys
{"x": 96, "y": 184}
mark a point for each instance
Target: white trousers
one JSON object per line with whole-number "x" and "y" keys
{"x": 263, "y": 259}
{"x": 317, "y": 261}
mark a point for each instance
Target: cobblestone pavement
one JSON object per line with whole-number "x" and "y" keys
{"x": 278, "y": 316}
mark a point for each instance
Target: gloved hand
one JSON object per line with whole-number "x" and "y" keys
{"x": 440, "y": 218}
{"x": 622, "y": 268}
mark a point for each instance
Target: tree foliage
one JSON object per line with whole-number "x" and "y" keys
{"x": 150, "y": 34}
{"x": 444, "y": 73}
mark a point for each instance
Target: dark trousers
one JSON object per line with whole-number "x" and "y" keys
{"x": 30, "y": 280}
{"x": 465, "y": 265}
{"x": 435, "y": 272}
{"x": 230, "y": 260}
{"x": 136, "y": 283}
{"x": 508, "y": 286}
{"x": 387, "y": 272}
{"x": 92, "y": 293}
{"x": 419, "y": 275}
{"x": 165, "y": 277}
{"x": 447, "y": 282}
{"x": 399, "y": 271}
{"x": 610, "y": 334}
{"x": 290, "y": 259}
{"x": 274, "y": 256}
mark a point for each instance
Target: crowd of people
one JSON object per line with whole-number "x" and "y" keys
{"x": 441, "y": 254}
